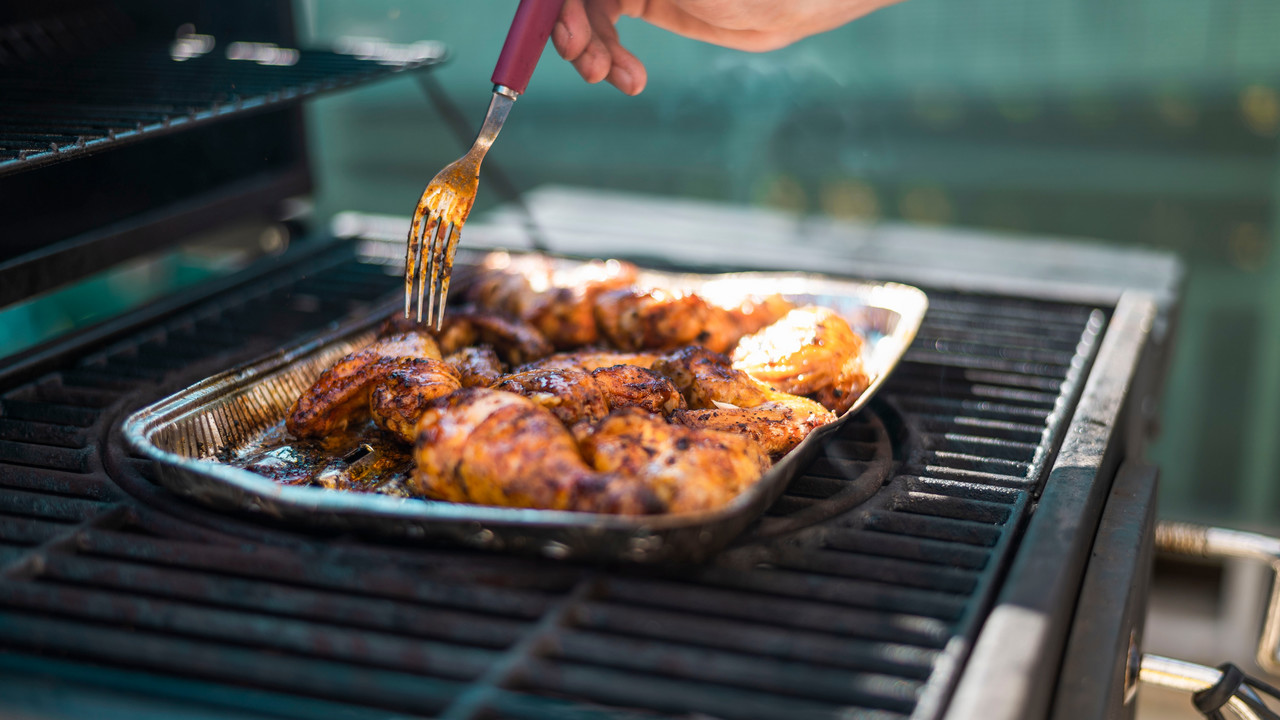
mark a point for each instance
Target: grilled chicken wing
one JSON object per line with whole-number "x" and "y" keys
{"x": 341, "y": 394}
{"x": 571, "y": 395}
{"x": 811, "y": 351}
{"x": 724, "y": 398}
{"x": 405, "y": 390}
{"x": 688, "y": 469}
{"x": 496, "y": 448}
{"x": 477, "y": 366}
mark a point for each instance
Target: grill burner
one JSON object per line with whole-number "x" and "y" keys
{"x": 828, "y": 606}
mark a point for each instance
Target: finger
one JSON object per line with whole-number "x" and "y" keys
{"x": 595, "y": 62}
{"x": 627, "y": 72}
{"x": 572, "y": 32}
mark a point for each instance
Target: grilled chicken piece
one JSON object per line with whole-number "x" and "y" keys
{"x": 341, "y": 394}
{"x": 571, "y": 395}
{"x": 508, "y": 284}
{"x": 688, "y": 469}
{"x": 626, "y": 386}
{"x": 775, "y": 426}
{"x": 477, "y": 366}
{"x": 514, "y": 340}
{"x": 758, "y": 312}
{"x": 590, "y": 360}
{"x": 566, "y": 313}
{"x": 407, "y": 388}
{"x": 726, "y": 324}
{"x": 811, "y": 351}
{"x": 708, "y": 379}
{"x": 633, "y": 319}
{"x": 559, "y": 303}
{"x": 490, "y": 447}
{"x": 577, "y": 396}
{"x": 720, "y": 330}
{"x": 724, "y": 398}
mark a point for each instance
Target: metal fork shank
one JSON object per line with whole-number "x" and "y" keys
{"x": 432, "y": 263}
{"x": 499, "y": 107}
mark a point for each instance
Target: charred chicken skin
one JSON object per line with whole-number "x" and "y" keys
{"x": 571, "y": 395}
{"x": 723, "y": 398}
{"x": 340, "y": 395}
{"x": 688, "y": 469}
{"x": 631, "y": 386}
{"x": 407, "y": 388}
{"x": 490, "y": 447}
{"x": 477, "y": 366}
{"x": 811, "y": 351}
{"x": 576, "y": 396}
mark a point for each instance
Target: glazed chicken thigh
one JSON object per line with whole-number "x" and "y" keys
{"x": 408, "y": 386}
{"x": 490, "y": 447}
{"x": 575, "y": 395}
{"x": 477, "y": 366}
{"x": 340, "y": 396}
{"x": 688, "y": 469}
{"x": 721, "y": 397}
{"x": 811, "y": 351}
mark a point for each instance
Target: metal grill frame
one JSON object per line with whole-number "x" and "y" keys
{"x": 580, "y": 598}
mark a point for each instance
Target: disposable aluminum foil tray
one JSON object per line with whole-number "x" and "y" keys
{"x": 194, "y": 436}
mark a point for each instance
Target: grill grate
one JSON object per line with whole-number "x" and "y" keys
{"x": 115, "y": 97}
{"x": 835, "y": 604}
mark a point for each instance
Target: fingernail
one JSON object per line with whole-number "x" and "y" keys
{"x": 621, "y": 79}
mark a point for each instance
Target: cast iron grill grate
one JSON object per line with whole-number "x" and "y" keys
{"x": 61, "y": 110}
{"x": 833, "y": 605}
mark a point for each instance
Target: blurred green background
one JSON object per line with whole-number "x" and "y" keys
{"x": 1134, "y": 122}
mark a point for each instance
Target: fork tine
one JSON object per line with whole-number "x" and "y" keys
{"x": 450, "y": 248}
{"x": 437, "y": 264}
{"x": 431, "y": 230}
{"x": 411, "y": 257}
{"x": 440, "y": 274}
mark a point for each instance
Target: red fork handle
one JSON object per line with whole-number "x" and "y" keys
{"x": 525, "y": 42}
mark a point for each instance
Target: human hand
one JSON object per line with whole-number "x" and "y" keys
{"x": 586, "y": 35}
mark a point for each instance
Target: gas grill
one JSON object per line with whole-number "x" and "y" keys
{"x": 998, "y": 569}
